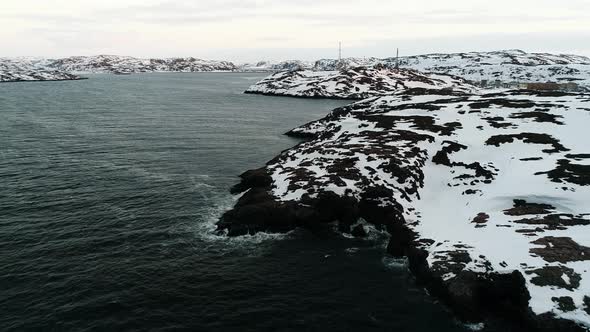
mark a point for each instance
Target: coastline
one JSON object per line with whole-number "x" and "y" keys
{"x": 52, "y": 80}
{"x": 474, "y": 296}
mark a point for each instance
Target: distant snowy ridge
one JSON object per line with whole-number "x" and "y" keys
{"x": 354, "y": 83}
{"x": 507, "y": 66}
{"x": 34, "y": 69}
{"x": 126, "y": 64}
{"x": 270, "y": 66}
{"x": 27, "y": 69}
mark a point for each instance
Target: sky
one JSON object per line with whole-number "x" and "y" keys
{"x": 253, "y": 30}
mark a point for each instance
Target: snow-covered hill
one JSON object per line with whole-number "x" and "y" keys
{"x": 126, "y": 64}
{"x": 30, "y": 69}
{"x": 353, "y": 83}
{"x": 269, "y": 66}
{"x": 333, "y": 64}
{"x": 487, "y": 196}
{"x": 506, "y": 66}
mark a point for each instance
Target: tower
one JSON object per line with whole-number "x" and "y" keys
{"x": 397, "y": 58}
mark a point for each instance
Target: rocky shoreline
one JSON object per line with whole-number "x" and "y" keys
{"x": 437, "y": 171}
{"x": 47, "y": 80}
{"x": 473, "y": 297}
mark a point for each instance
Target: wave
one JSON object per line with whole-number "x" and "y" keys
{"x": 207, "y": 228}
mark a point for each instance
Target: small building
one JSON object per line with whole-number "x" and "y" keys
{"x": 544, "y": 86}
{"x": 570, "y": 86}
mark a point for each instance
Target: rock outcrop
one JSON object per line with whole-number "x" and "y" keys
{"x": 486, "y": 195}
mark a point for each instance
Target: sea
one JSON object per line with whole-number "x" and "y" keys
{"x": 109, "y": 192}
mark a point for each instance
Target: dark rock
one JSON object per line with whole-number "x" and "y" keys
{"x": 508, "y": 103}
{"x": 531, "y": 138}
{"x": 521, "y": 207}
{"x": 538, "y": 117}
{"x": 481, "y": 218}
{"x": 463, "y": 296}
{"x": 359, "y": 231}
{"x": 553, "y": 276}
{"x": 564, "y": 303}
{"x": 252, "y": 178}
{"x": 566, "y": 171}
{"x": 442, "y": 156}
{"x": 561, "y": 249}
{"x": 555, "y": 221}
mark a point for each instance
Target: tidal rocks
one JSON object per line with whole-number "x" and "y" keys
{"x": 359, "y": 231}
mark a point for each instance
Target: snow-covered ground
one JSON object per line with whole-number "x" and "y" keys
{"x": 491, "y": 183}
{"x": 353, "y": 83}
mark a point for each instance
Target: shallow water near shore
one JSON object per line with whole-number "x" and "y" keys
{"x": 110, "y": 188}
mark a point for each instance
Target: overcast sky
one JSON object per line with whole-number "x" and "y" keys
{"x": 249, "y": 30}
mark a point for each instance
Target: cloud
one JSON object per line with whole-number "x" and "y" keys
{"x": 197, "y": 27}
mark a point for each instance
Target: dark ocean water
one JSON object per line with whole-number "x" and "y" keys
{"x": 109, "y": 189}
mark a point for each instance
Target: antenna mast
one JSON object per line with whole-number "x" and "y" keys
{"x": 339, "y": 51}
{"x": 397, "y": 58}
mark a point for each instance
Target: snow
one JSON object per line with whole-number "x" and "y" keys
{"x": 441, "y": 209}
{"x": 353, "y": 83}
{"x": 127, "y": 64}
{"x": 506, "y": 66}
{"x": 272, "y": 66}
{"x": 30, "y": 69}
